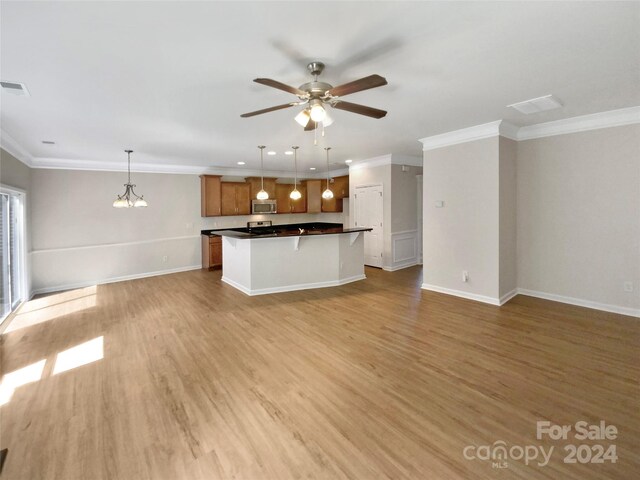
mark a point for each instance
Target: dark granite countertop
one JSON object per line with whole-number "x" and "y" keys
{"x": 289, "y": 230}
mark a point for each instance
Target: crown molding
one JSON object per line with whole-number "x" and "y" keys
{"x": 8, "y": 143}
{"x": 477, "y": 132}
{"x": 583, "y": 123}
{"x": 98, "y": 166}
{"x": 508, "y": 130}
{"x": 388, "y": 159}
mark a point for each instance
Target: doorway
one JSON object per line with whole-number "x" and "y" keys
{"x": 368, "y": 213}
{"x": 13, "y": 289}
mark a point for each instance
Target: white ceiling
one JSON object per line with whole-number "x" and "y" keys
{"x": 170, "y": 79}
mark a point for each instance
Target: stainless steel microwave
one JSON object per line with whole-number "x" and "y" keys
{"x": 263, "y": 206}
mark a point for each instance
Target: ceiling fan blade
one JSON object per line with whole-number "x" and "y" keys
{"x": 372, "y": 81}
{"x": 279, "y": 85}
{"x": 361, "y": 109}
{"x": 310, "y": 126}
{"x": 267, "y": 110}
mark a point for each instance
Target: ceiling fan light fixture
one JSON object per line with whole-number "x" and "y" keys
{"x": 317, "y": 112}
{"x": 303, "y": 118}
{"x": 328, "y": 119}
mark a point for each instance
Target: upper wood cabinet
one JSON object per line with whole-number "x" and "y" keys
{"x": 210, "y": 195}
{"x": 256, "y": 185}
{"x": 340, "y": 186}
{"x": 285, "y": 204}
{"x": 314, "y": 196}
{"x": 235, "y": 198}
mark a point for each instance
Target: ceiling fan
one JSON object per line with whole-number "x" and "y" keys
{"x": 316, "y": 95}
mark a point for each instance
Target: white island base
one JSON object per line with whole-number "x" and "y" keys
{"x": 257, "y": 266}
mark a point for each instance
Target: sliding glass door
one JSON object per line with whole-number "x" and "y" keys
{"x": 12, "y": 268}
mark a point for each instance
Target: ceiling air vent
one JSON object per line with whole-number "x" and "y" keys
{"x": 535, "y": 105}
{"x": 15, "y": 88}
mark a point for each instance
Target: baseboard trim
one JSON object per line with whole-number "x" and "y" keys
{"x": 460, "y": 293}
{"x": 123, "y": 278}
{"x": 292, "y": 288}
{"x": 400, "y": 266}
{"x": 632, "y": 312}
{"x": 508, "y": 296}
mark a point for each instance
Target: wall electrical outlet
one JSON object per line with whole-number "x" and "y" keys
{"x": 628, "y": 286}
{"x": 465, "y": 276}
{"x": 164, "y": 259}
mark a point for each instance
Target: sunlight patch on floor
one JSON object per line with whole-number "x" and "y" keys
{"x": 83, "y": 354}
{"x": 53, "y": 306}
{"x": 11, "y": 381}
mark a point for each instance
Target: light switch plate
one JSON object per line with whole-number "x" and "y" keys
{"x": 439, "y": 204}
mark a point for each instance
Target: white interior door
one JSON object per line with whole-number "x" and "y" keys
{"x": 368, "y": 213}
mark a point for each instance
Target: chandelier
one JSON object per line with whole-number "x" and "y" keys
{"x": 129, "y": 198}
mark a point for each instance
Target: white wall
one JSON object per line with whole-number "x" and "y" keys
{"x": 508, "y": 268}
{"x": 79, "y": 238}
{"x": 464, "y": 234}
{"x": 404, "y": 216}
{"x": 579, "y": 216}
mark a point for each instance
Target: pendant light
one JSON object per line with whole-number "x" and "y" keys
{"x": 327, "y": 194}
{"x": 262, "y": 194}
{"x": 129, "y": 198}
{"x": 295, "y": 193}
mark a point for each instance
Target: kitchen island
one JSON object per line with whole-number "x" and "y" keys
{"x": 283, "y": 258}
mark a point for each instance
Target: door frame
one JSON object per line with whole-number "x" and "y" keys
{"x": 384, "y": 224}
{"x": 23, "y": 285}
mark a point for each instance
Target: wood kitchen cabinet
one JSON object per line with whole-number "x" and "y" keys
{"x": 332, "y": 205}
{"x": 285, "y": 204}
{"x": 340, "y": 186}
{"x": 256, "y": 185}
{"x": 314, "y": 196}
{"x": 235, "y": 198}
{"x": 210, "y": 195}
{"x": 211, "y": 252}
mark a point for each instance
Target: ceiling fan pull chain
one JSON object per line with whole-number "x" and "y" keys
{"x": 315, "y": 134}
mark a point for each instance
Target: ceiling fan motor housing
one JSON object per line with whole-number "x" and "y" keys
{"x": 315, "y": 68}
{"x": 316, "y": 89}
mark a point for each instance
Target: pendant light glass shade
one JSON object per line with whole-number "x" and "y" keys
{"x": 262, "y": 194}
{"x": 327, "y": 194}
{"x": 129, "y": 198}
{"x": 295, "y": 194}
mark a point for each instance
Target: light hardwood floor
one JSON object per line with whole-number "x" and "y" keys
{"x": 376, "y": 379}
